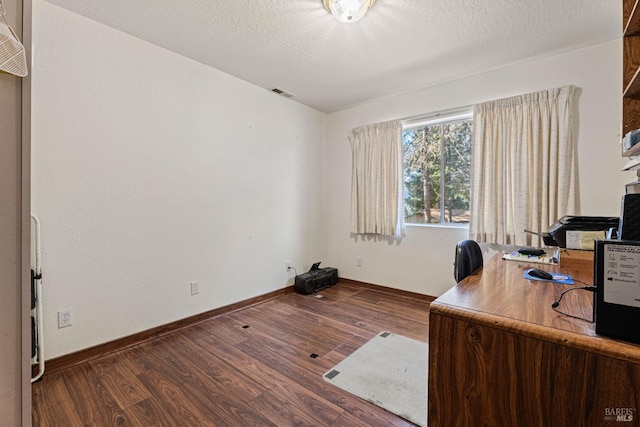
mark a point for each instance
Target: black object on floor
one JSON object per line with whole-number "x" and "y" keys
{"x": 315, "y": 280}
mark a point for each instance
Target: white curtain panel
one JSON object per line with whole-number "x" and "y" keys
{"x": 523, "y": 166}
{"x": 376, "y": 179}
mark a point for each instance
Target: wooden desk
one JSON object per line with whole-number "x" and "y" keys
{"x": 500, "y": 356}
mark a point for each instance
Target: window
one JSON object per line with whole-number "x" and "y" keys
{"x": 437, "y": 170}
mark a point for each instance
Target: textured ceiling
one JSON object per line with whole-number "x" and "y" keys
{"x": 400, "y": 45}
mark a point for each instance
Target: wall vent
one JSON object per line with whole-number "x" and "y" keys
{"x": 281, "y": 92}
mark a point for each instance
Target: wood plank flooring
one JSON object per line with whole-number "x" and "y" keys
{"x": 250, "y": 367}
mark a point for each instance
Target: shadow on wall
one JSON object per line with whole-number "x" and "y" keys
{"x": 390, "y": 240}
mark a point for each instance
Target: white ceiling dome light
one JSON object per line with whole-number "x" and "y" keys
{"x": 348, "y": 11}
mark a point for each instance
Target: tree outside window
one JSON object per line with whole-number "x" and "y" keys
{"x": 437, "y": 172}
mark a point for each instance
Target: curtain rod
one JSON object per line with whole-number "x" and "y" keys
{"x": 429, "y": 116}
{"x": 419, "y": 118}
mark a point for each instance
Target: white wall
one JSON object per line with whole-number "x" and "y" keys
{"x": 422, "y": 261}
{"x": 151, "y": 171}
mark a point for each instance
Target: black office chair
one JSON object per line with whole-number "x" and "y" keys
{"x": 468, "y": 259}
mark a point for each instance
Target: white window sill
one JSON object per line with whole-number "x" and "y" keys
{"x": 445, "y": 225}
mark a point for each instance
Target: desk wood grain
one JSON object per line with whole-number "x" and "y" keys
{"x": 501, "y": 290}
{"x": 500, "y": 296}
{"x": 500, "y": 355}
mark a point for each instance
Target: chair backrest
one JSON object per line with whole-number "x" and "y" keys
{"x": 467, "y": 260}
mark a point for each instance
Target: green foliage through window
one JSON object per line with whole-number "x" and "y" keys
{"x": 437, "y": 172}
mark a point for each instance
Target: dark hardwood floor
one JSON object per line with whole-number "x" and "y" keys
{"x": 252, "y": 366}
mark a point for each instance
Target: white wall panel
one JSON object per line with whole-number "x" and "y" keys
{"x": 151, "y": 171}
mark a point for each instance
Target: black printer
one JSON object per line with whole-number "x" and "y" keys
{"x": 557, "y": 235}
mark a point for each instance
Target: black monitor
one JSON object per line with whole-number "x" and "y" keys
{"x": 630, "y": 217}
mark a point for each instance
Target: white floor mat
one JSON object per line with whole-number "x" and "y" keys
{"x": 389, "y": 371}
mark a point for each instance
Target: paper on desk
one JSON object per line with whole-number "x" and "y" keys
{"x": 583, "y": 239}
{"x": 517, "y": 256}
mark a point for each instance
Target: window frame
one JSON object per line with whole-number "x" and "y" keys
{"x": 464, "y": 113}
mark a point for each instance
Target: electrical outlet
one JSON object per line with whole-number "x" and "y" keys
{"x": 64, "y": 318}
{"x": 358, "y": 261}
{"x": 288, "y": 265}
{"x": 195, "y": 288}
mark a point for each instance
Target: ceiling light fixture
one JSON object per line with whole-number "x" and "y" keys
{"x": 348, "y": 11}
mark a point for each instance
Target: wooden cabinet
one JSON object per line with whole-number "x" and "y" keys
{"x": 631, "y": 71}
